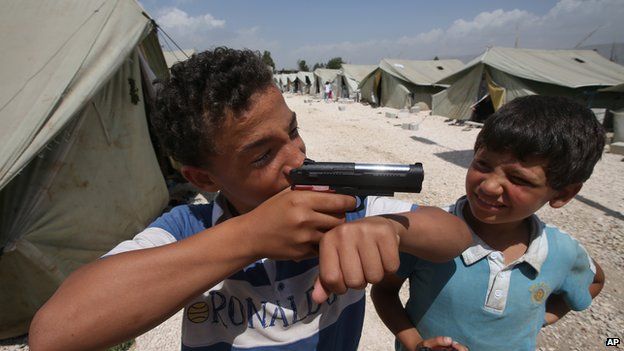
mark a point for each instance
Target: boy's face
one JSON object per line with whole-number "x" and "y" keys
{"x": 502, "y": 189}
{"x": 256, "y": 151}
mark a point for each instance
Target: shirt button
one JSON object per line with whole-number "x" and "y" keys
{"x": 280, "y": 286}
{"x": 494, "y": 255}
{"x": 498, "y": 294}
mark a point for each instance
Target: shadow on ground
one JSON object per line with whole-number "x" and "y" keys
{"x": 460, "y": 158}
{"x": 424, "y": 140}
{"x": 607, "y": 211}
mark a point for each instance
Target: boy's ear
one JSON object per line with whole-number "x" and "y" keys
{"x": 564, "y": 195}
{"x": 199, "y": 177}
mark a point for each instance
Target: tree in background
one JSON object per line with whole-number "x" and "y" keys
{"x": 318, "y": 65}
{"x": 335, "y": 63}
{"x": 303, "y": 66}
{"x": 267, "y": 59}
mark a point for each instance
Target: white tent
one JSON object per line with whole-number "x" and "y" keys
{"x": 502, "y": 74}
{"x": 173, "y": 57}
{"x": 403, "y": 83}
{"x": 78, "y": 172}
{"x": 350, "y": 78}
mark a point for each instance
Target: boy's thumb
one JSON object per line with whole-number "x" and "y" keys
{"x": 319, "y": 294}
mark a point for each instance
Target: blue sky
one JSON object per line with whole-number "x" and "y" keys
{"x": 363, "y": 32}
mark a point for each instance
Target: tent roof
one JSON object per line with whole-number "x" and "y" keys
{"x": 326, "y": 74}
{"x": 302, "y": 76}
{"x": 56, "y": 56}
{"x": 173, "y": 57}
{"x": 357, "y": 72}
{"x": 614, "y": 89}
{"x": 420, "y": 72}
{"x": 567, "y": 68}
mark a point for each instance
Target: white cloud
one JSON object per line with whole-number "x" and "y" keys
{"x": 205, "y": 31}
{"x": 567, "y": 23}
{"x": 174, "y": 18}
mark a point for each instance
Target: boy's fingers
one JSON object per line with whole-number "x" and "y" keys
{"x": 459, "y": 347}
{"x": 325, "y": 222}
{"x": 438, "y": 341}
{"x": 319, "y": 294}
{"x": 331, "y": 203}
{"x": 330, "y": 272}
{"x": 389, "y": 251}
{"x": 351, "y": 266}
{"x": 371, "y": 263}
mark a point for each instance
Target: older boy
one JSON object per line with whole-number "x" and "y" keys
{"x": 519, "y": 274}
{"x": 230, "y": 262}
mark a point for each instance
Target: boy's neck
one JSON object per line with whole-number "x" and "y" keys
{"x": 499, "y": 236}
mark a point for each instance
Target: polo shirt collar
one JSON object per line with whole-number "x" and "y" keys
{"x": 534, "y": 256}
{"x": 222, "y": 210}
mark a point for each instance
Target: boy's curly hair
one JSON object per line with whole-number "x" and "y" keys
{"x": 558, "y": 129}
{"x": 192, "y": 104}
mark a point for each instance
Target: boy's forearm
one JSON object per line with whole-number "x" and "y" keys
{"x": 393, "y": 315}
{"x": 433, "y": 234}
{"x": 119, "y": 297}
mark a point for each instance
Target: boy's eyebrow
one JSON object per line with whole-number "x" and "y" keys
{"x": 262, "y": 141}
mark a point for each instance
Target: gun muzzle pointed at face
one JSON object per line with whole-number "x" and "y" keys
{"x": 358, "y": 179}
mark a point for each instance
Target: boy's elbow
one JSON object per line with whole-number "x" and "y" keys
{"x": 47, "y": 332}
{"x": 39, "y": 332}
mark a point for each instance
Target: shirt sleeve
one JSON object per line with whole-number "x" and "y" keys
{"x": 168, "y": 228}
{"x": 575, "y": 287}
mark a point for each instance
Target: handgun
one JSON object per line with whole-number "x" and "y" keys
{"x": 358, "y": 179}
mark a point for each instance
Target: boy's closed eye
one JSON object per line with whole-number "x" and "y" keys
{"x": 481, "y": 165}
{"x": 294, "y": 133}
{"x": 262, "y": 159}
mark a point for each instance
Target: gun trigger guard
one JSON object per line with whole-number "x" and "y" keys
{"x": 360, "y": 207}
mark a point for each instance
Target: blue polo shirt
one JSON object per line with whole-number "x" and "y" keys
{"x": 486, "y": 305}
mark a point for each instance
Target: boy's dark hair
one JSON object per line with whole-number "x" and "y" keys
{"x": 563, "y": 132}
{"x": 192, "y": 104}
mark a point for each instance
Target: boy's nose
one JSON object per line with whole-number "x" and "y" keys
{"x": 295, "y": 160}
{"x": 491, "y": 186}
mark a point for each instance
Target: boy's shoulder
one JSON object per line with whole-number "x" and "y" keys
{"x": 557, "y": 236}
{"x": 563, "y": 248}
{"x": 185, "y": 220}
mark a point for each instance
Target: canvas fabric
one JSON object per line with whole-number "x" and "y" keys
{"x": 577, "y": 74}
{"x": 402, "y": 83}
{"x": 77, "y": 168}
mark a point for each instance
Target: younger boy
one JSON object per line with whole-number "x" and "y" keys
{"x": 244, "y": 265}
{"x": 519, "y": 274}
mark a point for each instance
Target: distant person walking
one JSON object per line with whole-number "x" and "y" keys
{"x": 328, "y": 91}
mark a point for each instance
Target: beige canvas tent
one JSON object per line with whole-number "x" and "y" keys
{"x": 403, "y": 83}
{"x": 501, "y": 74}
{"x": 173, "y": 57}
{"x": 306, "y": 82}
{"x": 350, "y": 78}
{"x": 323, "y": 75}
{"x": 78, "y": 172}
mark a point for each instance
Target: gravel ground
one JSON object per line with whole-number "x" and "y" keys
{"x": 363, "y": 134}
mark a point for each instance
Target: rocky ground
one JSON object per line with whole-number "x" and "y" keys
{"x": 359, "y": 133}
